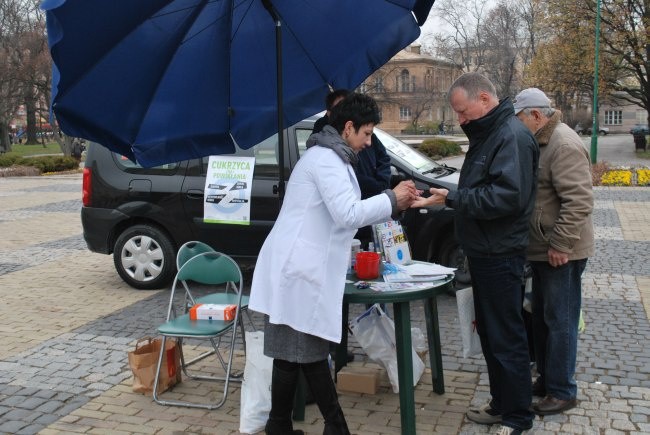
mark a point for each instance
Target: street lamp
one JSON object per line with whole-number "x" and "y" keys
{"x": 594, "y": 109}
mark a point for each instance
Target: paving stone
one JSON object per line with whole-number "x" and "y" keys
{"x": 82, "y": 366}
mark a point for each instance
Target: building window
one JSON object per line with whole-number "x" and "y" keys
{"x": 641, "y": 117}
{"x": 428, "y": 81}
{"x": 613, "y": 117}
{"x": 404, "y": 113}
{"x": 379, "y": 84}
{"x": 404, "y": 81}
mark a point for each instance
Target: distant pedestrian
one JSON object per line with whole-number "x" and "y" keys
{"x": 77, "y": 149}
{"x": 561, "y": 240}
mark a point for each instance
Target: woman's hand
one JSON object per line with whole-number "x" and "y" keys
{"x": 437, "y": 197}
{"x": 405, "y": 193}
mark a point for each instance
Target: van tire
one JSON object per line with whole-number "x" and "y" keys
{"x": 144, "y": 257}
{"x": 452, "y": 255}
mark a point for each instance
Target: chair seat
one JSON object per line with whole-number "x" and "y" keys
{"x": 183, "y": 326}
{"x": 223, "y": 298}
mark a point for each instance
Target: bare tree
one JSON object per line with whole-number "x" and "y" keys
{"x": 465, "y": 43}
{"x": 11, "y": 24}
{"x": 504, "y": 41}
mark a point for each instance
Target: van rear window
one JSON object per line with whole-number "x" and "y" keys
{"x": 127, "y": 164}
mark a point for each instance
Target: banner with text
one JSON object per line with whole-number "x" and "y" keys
{"x": 227, "y": 197}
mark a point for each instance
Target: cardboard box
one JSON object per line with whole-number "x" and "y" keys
{"x": 213, "y": 312}
{"x": 358, "y": 380}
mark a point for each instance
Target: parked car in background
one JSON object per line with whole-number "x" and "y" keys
{"x": 143, "y": 215}
{"x": 587, "y": 130}
{"x": 640, "y": 129}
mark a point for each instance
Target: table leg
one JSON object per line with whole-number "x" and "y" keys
{"x": 433, "y": 338}
{"x": 405, "y": 366}
{"x": 342, "y": 349}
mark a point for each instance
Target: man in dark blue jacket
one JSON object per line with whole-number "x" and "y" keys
{"x": 493, "y": 203}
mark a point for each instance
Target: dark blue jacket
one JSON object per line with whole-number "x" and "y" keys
{"x": 498, "y": 181}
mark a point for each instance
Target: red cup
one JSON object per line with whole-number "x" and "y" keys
{"x": 367, "y": 266}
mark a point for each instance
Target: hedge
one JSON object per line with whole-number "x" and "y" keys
{"x": 436, "y": 148}
{"x": 42, "y": 163}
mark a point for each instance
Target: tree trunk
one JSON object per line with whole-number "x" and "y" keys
{"x": 5, "y": 145}
{"x": 30, "y": 109}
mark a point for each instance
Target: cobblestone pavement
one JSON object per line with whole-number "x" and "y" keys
{"x": 68, "y": 322}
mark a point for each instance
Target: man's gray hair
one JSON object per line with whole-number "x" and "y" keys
{"x": 473, "y": 84}
{"x": 546, "y": 111}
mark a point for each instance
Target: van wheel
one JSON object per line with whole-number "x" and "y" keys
{"x": 144, "y": 257}
{"x": 452, "y": 255}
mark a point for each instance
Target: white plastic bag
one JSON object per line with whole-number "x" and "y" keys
{"x": 467, "y": 319}
{"x": 375, "y": 332}
{"x": 256, "y": 386}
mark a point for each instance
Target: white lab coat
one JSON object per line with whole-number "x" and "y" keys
{"x": 300, "y": 273}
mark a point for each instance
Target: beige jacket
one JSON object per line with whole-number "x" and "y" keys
{"x": 564, "y": 204}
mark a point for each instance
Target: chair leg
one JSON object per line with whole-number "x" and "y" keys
{"x": 158, "y": 366}
{"x": 227, "y": 366}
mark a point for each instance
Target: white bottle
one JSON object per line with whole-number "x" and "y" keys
{"x": 356, "y": 247}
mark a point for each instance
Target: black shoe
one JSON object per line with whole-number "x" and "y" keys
{"x": 539, "y": 389}
{"x": 276, "y": 428}
{"x": 550, "y": 405}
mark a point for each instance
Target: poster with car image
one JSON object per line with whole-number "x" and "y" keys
{"x": 227, "y": 193}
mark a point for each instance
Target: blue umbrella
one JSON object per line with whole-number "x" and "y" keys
{"x": 166, "y": 80}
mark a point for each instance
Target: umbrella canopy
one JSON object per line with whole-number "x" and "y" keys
{"x": 167, "y": 80}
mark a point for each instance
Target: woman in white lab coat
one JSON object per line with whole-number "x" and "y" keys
{"x": 300, "y": 273}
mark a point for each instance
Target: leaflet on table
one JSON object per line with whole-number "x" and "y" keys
{"x": 417, "y": 268}
{"x": 397, "y": 286}
{"x": 405, "y": 277}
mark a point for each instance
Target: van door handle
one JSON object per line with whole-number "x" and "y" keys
{"x": 194, "y": 194}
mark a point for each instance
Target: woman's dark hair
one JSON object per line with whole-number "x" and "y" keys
{"x": 358, "y": 108}
{"x": 333, "y": 96}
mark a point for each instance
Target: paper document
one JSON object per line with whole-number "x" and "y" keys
{"x": 405, "y": 277}
{"x": 416, "y": 269}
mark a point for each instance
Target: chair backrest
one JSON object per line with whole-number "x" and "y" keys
{"x": 209, "y": 268}
{"x": 191, "y": 249}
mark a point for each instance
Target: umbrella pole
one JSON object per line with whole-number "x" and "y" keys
{"x": 278, "y": 60}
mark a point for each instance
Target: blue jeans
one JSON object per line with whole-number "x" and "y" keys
{"x": 498, "y": 299}
{"x": 556, "y": 313}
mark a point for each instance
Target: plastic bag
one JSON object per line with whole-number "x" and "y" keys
{"x": 375, "y": 332}
{"x": 419, "y": 342}
{"x": 256, "y": 386}
{"x": 467, "y": 319}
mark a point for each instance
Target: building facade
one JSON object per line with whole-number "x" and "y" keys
{"x": 411, "y": 91}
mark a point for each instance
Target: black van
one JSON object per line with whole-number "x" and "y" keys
{"x": 143, "y": 215}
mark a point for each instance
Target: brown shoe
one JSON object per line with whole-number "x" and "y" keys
{"x": 550, "y": 405}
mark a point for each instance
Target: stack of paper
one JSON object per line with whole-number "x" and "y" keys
{"x": 419, "y": 272}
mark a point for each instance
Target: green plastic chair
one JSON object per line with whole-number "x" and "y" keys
{"x": 209, "y": 269}
{"x": 191, "y": 249}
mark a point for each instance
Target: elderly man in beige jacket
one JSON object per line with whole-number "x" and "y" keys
{"x": 561, "y": 240}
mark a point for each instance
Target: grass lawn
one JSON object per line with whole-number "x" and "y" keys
{"x": 643, "y": 154}
{"x": 32, "y": 149}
